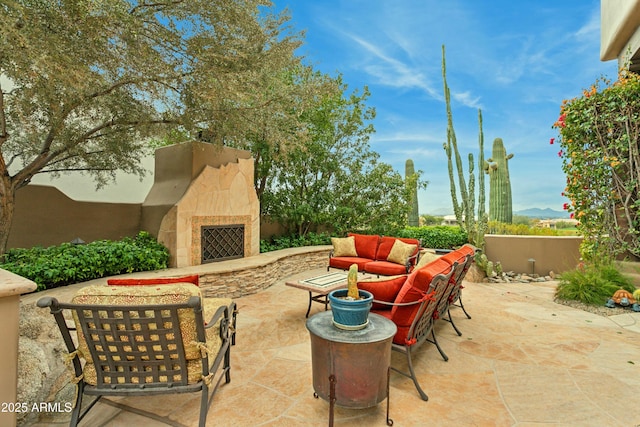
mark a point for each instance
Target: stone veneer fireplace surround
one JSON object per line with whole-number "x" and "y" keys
{"x": 199, "y": 185}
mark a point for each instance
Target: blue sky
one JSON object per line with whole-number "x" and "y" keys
{"x": 515, "y": 60}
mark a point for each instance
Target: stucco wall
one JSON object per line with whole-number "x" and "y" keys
{"x": 619, "y": 29}
{"x": 176, "y": 166}
{"x": 45, "y": 216}
{"x": 551, "y": 253}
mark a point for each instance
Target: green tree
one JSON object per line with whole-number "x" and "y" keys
{"x": 427, "y": 220}
{"x": 334, "y": 180}
{"x": 272, "y": 134}
{"x": 599, "y": 139}
{"x": 84, "y": 84}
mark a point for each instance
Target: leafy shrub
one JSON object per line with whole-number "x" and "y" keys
{"x": 592, "y": 284}
{"x": 599, "y": 150}
{"x": 437, "y": 237}
{"x": 496, "y": 227}
{"x": 70, "y": 263}
{"x": 440, "y": 237}
{"x": 294, "y": 241}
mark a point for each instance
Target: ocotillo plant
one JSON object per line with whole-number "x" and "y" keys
{"x": 464, "y": 209}
{"x": 413, "y": 219}
{"x": 500, "y": 205}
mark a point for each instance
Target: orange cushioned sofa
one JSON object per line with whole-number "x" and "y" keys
{"x": 380, "y": 255}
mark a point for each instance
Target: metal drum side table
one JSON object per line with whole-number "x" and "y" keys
{"x": 351, "y": 368}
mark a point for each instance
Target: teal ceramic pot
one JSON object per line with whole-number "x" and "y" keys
{"x": 350, "y": 314}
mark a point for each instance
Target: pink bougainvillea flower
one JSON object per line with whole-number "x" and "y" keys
{"x": 560, "y": 121}
{"x": 551, "y": 141}
{"x": 560, "y": 153}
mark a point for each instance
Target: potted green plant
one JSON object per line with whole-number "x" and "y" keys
{"x": 351, "y": 306}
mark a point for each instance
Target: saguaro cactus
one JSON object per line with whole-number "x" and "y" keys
{"x": 413, "y": 218}
{"x": 500, "y": 205}
{"x": 464, "y": 209}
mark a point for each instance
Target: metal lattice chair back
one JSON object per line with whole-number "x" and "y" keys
{"x": 145, "y": 349}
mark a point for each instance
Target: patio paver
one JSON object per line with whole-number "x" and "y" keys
{"x": 522, "y": 361}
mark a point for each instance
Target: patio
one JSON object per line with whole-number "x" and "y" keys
{"x": 522, "y": 360}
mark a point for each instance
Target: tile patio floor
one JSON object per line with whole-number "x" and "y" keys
{"x": 522, "y": 361}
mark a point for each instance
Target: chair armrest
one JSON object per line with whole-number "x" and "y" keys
{"x": 401, "y": 304}
{"x": 45, "y": 302}
{"x": 409, "y": 262}
{"x": 226, "y": 316}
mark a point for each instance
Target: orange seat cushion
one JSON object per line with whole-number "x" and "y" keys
{"x": 414, "y": 289}
{"x": 156, "y": 281}
{"x": 385, "y": 268}
{"x": 383, "y": 290}
{"x": 344, "y": 262}
{"x": 454, "y": 256}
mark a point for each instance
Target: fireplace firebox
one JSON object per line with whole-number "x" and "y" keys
{"x": 222, "y": 242}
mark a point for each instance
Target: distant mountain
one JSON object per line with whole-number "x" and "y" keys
{"x": 542, "y": 213}
{"x": 538, "y": 213}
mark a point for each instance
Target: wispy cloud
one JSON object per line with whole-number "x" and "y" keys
{"x": 466, "y": 98}
{"x": 391, "y": 71}
{"x": 516, "y": 61}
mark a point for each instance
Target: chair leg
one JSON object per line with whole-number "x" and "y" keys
{"x": 234, "y": 317}
{"x": 421, "y": 392}
{"x": 435, "y": 341}
{"x": 411, "y": 374}
{"x": 462, "y": 307}
{"x": 204, "y": 405}
{"x": 75, "y": 414}
{"x": 227, "y": 365}
{"x": 450, "y": 320}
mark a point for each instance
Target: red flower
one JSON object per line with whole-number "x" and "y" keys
{"x": 561, "y": 120}
{"x": 560, "y": 153}
{"x": 572, "y": 215}
{"x": 551, "y": 141}
{"x": 565, "y": 206}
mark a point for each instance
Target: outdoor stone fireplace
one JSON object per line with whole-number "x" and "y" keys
{"x": 203, "y": 204}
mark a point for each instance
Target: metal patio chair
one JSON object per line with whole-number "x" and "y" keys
{"x": 145, "y": 340}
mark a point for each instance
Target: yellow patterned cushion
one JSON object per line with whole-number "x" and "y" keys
{"x": 194, "y": 366}
{"x": 344, "y": 246}
{"x": 400, "y": 252}
{"x": 137, "y": 295}
{"x": 426, "y": 257}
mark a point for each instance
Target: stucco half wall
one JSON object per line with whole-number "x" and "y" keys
{"x": 551, "y": 253}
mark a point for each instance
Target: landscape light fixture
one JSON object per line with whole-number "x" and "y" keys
{"x": 533, "y": 265}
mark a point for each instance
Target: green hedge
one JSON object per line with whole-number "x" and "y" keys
{"x": 294, "y": 241}
{"x": 437, "y": 237}
{"x": 71, "y": 263}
